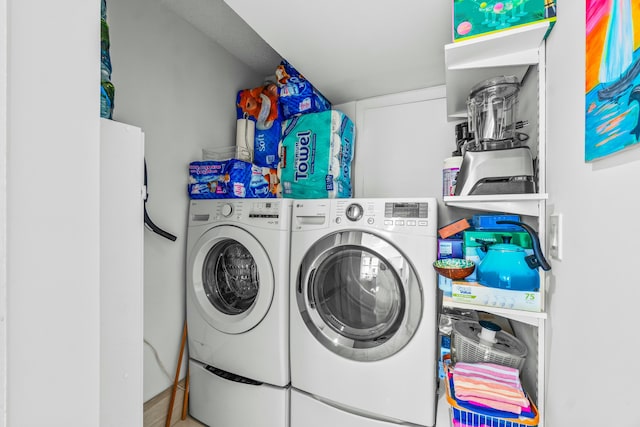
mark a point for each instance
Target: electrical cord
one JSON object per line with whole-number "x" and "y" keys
{"x": 162, "y": 367}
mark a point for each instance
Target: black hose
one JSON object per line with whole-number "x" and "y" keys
{"x": 157, "y": 229}
{"x": 147, "y": 220}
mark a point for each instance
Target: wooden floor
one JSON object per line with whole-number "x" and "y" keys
{"x": 189, "y": 422}
{"x": 156, "y": 410}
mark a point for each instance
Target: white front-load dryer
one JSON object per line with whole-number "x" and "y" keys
{"x": 237, "y": 310}
{"x": 363, "y": 312}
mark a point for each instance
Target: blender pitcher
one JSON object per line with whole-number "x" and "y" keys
{"x": 491, "y": 109}
{"x": 495, "y": 161}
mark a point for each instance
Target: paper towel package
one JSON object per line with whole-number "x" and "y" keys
{"x": 261, "y": 106}
{"x": 316, "y": 153}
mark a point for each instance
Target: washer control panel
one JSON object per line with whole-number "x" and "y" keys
{"x": 271, "y": 213}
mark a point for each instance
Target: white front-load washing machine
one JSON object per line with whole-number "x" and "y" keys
{"x": 237, "y": 311}
{"x": 363, "y": 317}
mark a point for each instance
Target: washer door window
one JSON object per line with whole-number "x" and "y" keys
{"x": 231, "y": 278}
{"x": 359, "y": 296}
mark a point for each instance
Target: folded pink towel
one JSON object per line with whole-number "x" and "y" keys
{"x": 489, "y": 371}
{"x": 493, "y": 385}
{"x": 502, "y": 406}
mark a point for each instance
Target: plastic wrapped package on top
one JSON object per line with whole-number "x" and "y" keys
{"x": 261, "y": 106}
{"x": 208, "y": 179}
{"x": 316, "y": 155}
{"x": 247, "y": 180}
{"x": 229, "y": 179}
{"x": 296, "y": 94}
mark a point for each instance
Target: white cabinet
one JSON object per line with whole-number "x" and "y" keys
{"x": 519, "y": 52}
{"x": 121, "y": 274}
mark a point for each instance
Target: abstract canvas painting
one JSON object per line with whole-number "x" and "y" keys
{"x": 612, "y": 92}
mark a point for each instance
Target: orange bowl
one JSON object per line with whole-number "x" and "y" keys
{"x": 454, "y": 268}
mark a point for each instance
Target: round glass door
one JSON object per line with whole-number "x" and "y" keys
{"x": 231, "y": 279}
{"x": 359, "y": 296}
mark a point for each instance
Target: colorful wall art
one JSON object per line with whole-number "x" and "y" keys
{"x": 612, "y": 92}
{"x": 473, "y": 18}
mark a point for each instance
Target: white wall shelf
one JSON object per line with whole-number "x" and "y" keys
{"x": 519, "y": 52}
{"x": 528, "y": 317}
{"x": 521, "y": 204}
{"x": 472, "y": 61}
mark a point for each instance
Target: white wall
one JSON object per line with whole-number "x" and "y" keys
{"x": 401, "y": 143}
{"x": 3, "y": 208}
{"x": 180, "y": 88}
{"x": 593, "y": 299}
{"x": 53, "y": 212}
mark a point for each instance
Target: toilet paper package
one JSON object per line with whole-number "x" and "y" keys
{"x": 316, "y": 153}
{"x": 247, "y": 180}
{"x": 232, "y": 178}
{"x": 301, "y": 98}
{"x": 296, "y": 95}
{"x": 260, "y": 105}
{"x": 208, "y": 180}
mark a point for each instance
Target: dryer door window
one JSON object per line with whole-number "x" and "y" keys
{"x": 359, "y": 295}
{"x": 230, "y": 278}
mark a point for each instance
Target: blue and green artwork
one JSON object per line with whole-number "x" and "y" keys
{"x": 472, "y": 18}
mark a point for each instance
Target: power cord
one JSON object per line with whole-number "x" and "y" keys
{"x": 162, "y": 367}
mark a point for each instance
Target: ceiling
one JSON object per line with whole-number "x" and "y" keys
{"x": 348, "y": 49}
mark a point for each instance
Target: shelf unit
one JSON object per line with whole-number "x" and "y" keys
{"x": 519, "y": 52}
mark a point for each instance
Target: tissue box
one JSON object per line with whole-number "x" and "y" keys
{"x": 449, "y": 248}
{"x": 474, "y": 293}
{"x": 473, "y": 18}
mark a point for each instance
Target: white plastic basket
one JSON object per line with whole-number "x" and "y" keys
{"x": 227, "y": 153}
{"x": 470, "y": 344}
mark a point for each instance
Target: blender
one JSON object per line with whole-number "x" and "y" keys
{"x": 496, "y": 160}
